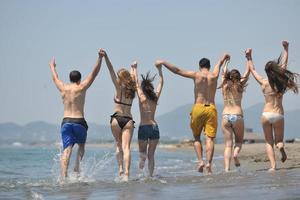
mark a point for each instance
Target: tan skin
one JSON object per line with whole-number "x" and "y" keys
{"x": 274, "y": 133}
{"x": 122, "y": 136}
{"x": 73, "y": 96}
{"x": 205, "y": 85}
{"x": 147, "y": 112}
{"x": 232, "y": 105}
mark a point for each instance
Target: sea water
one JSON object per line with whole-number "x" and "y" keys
{"x": 33, "y": 172}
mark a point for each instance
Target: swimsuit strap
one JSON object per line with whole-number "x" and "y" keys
{"x": 231, "y": 100}
{"x": 120, "y": 102}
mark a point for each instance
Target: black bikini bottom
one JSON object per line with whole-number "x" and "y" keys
{"x": 122, "y": 120}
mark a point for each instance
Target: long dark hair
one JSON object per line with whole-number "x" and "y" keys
{"x": 281, "y": 79}
{"x": 148, "y": 88}
{"x": 234, "y": 77}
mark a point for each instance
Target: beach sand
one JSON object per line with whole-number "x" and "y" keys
{"x": 252, "y": 156}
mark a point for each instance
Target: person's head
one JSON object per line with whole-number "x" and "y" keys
{"x": 280, "y": 79}
{"x": 204, "y": 63}
{"x": 148, "y": 88}
{"x": 125, "y": 79}
{"x": 233, "y": 75}
{"x": 232, "y": 79}
{"x": 75, "y": 76}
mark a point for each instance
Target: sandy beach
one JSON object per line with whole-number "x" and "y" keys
{"x": 253, "y": 156}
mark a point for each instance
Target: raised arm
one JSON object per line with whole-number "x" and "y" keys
{"x": 250, "y": 65}
{"x": 177, "y": 70}
{"x": 225, "y": 69}
{"x": 91, "y": 77}
{"x": 285, "y": 54}
{"x": 139, "y": 90}
{"x": 59, "y": 84}
{"x": 161, "y": 80}
{"x": 110, "y": 68}
{"x": 219, "y": 64}
{"x": 246, "y": 74}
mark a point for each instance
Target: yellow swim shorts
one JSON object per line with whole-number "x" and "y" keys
{"x": 204, "y": 117}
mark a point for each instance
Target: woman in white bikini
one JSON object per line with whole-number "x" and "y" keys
{"x": 233, "y": 86}
{"x": 279, "y": 81}
{"x": 122, "y": 124}
{"x": 148, "y": 133}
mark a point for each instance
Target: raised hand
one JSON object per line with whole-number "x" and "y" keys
{"x": 285, "y": 44}
{"x": 226, "y": 57}
{"x": 248, "y": 53}
{"x": 52, "y": 62}
{"x": 102, "y": 53}
{"x": 134, "y": 65}
{"x": 158, "y": 63}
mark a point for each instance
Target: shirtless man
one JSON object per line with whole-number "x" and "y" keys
{"x": 74, "y": 127}
{"x": 204, "y": 113}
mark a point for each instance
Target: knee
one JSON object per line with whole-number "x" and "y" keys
{"x": 150, "y": 157}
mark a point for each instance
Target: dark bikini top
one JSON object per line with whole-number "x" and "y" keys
{"x": 120, "y": 102}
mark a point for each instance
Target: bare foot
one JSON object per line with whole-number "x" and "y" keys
{"x": 283, "y": 155}
{"x": 271, "y": 170}
{"x": 236, "y": 161}
{"x": 208, "y": 168}
{"x": 201, "y": 166}
{"x": 121, "y": 172}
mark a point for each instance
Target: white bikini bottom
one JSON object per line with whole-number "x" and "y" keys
{"x": 232, "y": 118}
{"x": 272, "y": 117}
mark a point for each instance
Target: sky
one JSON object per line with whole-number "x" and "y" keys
{"x": 182, "y": 32}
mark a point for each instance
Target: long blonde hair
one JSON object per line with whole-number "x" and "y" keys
{"x": 127, "y": 82}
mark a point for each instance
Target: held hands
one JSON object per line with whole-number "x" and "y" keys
{"x": 158, "y": 64}
{"x": 52, "y": 62}
{"x": 226, "y": 57}
{"x": 134, "y": 65}
{"x": 248, "y": 53}
{"x": 102, "y": 53}
{"x": 285, "y": 44}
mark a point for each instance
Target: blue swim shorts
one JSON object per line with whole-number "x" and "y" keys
{"x": 73, "y": 130}
{"x": 148, "y": 132}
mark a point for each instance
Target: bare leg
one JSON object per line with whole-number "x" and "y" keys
{"x": 239, "y": 137}
{"x": 151, "y": 151}
{"x": 267, "y": 127}
{"x": 228, "y": 144}
{"x": 126, "y": 141}
{"x": 79, "y": 157}
{"x": 117, "y": 133}
{"x": 143, "y": 153}
{"x": 64, "y": 161}
{"x": 199, "y": 152}
{"x": 209, "y": 152}
{"x": 279, "y": 134}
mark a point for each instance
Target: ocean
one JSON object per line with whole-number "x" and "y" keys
{"x": 32, "y": 172}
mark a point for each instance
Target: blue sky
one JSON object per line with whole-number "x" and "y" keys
{"x": 182, "y": 32}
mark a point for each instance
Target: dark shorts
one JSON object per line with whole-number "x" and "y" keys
{"x": 73, "y": 130}
{"x": 148, "y": 132}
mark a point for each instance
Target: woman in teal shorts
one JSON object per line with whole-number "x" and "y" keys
{"x": 148, "y": 133}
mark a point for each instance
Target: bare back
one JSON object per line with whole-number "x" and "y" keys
{"x": 147, "y": 111}
{"x": 73, "y": 96}
{"x": 273, "y": 101}
{"x": 205, "y": 85}
{"x": 232, "y": 99}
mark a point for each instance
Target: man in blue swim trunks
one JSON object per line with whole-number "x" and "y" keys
{"x": 73, "y": 127}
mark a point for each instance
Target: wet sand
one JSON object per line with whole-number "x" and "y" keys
{"x": 253, "y": 157}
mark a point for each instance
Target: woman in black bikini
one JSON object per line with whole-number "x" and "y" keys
{"x": 122, "y": 124}
{"x": 148, "y": 134}
{"x": 279, "y": 81}
{"x": 232, "y": 119}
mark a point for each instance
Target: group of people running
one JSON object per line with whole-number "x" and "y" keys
{"x": 203, "y": 116}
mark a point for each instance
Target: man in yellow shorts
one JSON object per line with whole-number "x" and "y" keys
{"x": 204, "y": 113}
